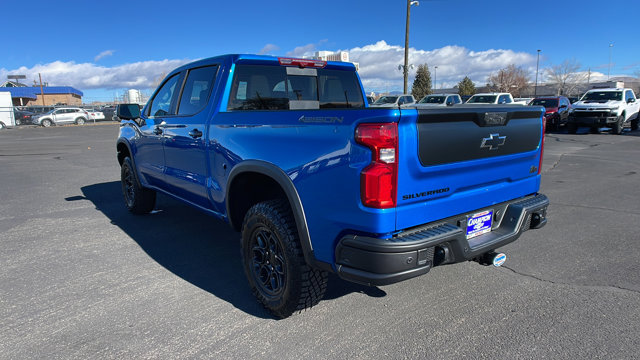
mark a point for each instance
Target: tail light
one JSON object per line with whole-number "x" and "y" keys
{"x": 544, "y": 131}
{"x": 378, "y": 181}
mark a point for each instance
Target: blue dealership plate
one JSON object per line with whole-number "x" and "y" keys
{"x": 479, "y": 224}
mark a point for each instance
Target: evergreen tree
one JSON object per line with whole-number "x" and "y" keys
{"x": 466, "y": 87}
{"x": 422, "y": 83}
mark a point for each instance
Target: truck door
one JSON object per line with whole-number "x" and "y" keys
{"x": 149, "y": 151}
{"x": 185, "y": 145}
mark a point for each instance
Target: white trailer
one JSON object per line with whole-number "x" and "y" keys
{"x": 6, "y": 110}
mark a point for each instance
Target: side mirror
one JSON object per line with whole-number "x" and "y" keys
{"x": 449, "y": 103}
{"x": 631, "y": 100}
{"x": 128, "y": 111}
{"x": 563, "y": 106}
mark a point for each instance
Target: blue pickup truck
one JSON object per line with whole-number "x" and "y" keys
{"x": 288, "y": 152}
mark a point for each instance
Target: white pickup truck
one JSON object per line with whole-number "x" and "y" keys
{"x": 611, "y": 108}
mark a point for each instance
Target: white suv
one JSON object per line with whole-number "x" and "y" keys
{"x": 394, "y": 101}
{"x": 491, "y": 98}
{"x": 63, "y": 115}
{"x": 439, "y": 100}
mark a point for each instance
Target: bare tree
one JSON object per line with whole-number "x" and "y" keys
{"x": 157, "y": 81}
{"x": 511, "y": 79}
{"x": 566, "y": 78}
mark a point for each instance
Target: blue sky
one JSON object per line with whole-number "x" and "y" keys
{"x": 103, "y": 48}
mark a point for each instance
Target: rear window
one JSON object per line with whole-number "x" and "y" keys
{"x": 265, "y": 87}
{"x": 432, "y": 100}
{"x": 545, "y": 102}
{"x": 482, "y": 99}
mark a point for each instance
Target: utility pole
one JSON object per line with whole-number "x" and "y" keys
{"x": 406, "y": 44}
{"x": 535, "y": 91}
{"x": 609, "y": 71}
{"x": 41, "y": 89}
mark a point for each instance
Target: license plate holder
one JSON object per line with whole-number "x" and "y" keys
{"x": 479, "y": 223}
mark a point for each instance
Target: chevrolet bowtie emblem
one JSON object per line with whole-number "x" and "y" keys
{"x": 493, "y": 141}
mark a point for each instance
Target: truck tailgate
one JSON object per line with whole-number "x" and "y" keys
{"x": 459, "y": 159}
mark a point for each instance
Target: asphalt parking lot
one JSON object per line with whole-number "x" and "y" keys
{"x": 82, "y": 278}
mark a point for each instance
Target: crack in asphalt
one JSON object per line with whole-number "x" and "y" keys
{"x": 569, "y": 284}
{"x": 555, "y": 164}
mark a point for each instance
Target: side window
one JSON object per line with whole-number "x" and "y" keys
{"x": 503, "y": 99}
{"x": 197, "y": 89}
{"x": 628, "y": 95}
{"x": 456, "y": 99}
{"x": 161, "y": 103}
{"x": 257, "y": 87}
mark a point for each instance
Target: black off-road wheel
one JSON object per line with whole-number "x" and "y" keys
{"x": 274, "y": 263}
{"x": 572, "y": 128}
{"x": 618, "y": 125}
{"x": 595, "y": 130}
{"x": 137, "y": 199}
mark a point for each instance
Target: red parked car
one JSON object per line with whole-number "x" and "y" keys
{"x": 556, "y": 110}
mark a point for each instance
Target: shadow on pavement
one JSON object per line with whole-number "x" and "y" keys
{"x": 197, "y": 247}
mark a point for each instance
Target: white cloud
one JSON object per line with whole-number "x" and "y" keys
{"x": 306, "y": 50}
{"x": 85, "y": 76}
{"x": 379, "y": 64}
{"x": 103, "y": 54}
{"x": 269, "y": 49}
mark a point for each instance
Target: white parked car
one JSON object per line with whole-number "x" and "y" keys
{"x": 439, "y": 100}
{"x": 491, "y": 98}
{"x": 394, "y": 101}
{"x": 95, "y": 115}
{"x": 612, "y": 108}
{"x": 63, "y": 115}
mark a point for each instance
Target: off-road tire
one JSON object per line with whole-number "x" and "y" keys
{"x": 572, "y": 128}
{"x": 595, "y": 130}
{"x": 80, "y": 121}
{"x": 618, "y": 125}
{"x": 137, "y": 199}
{"x": 2, "y": 126}
{"x": 634, "y": 123}
{"x": 274, "y": 263}
{"x": 46, "y": 123}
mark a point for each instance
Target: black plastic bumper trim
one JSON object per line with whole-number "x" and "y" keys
{"x": 375, "y": 261}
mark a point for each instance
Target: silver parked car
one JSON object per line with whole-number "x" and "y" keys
{"x": 63, "y": 115}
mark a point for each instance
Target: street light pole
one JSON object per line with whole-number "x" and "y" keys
{"x": 535, "y": 91}
{"x": 609, "y": 71}
{"x": 435, "y": 77}
{"x": 406, "y": 44}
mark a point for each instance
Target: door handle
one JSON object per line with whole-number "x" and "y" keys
{"x": 195, "y": 133}
{"x": 157, "y": 130}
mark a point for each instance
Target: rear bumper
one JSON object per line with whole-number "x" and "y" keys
{"x": 415, "y": 251}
